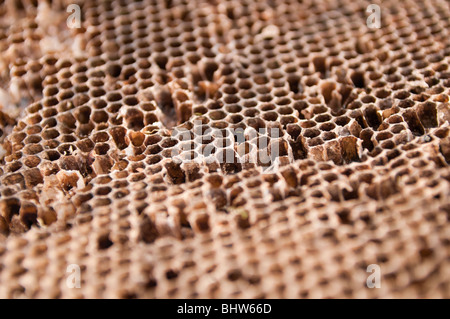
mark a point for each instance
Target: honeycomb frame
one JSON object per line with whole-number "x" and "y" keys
{"x": 104, "y": 131}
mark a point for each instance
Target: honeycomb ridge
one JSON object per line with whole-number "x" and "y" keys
{"x": 117, "y": 139}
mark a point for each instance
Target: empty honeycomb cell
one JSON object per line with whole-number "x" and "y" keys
{"x": 85, "y": 145}
{"x": 32, "y": 161}
{"x": 33, "y": 177}
{"x": 427, "y": 114}
{"x": 28, "y": 213}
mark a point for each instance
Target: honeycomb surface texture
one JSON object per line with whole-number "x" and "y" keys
{"x": 92, "y": 170}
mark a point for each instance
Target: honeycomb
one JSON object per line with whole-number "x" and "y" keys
{"x": 224, "y": 149}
